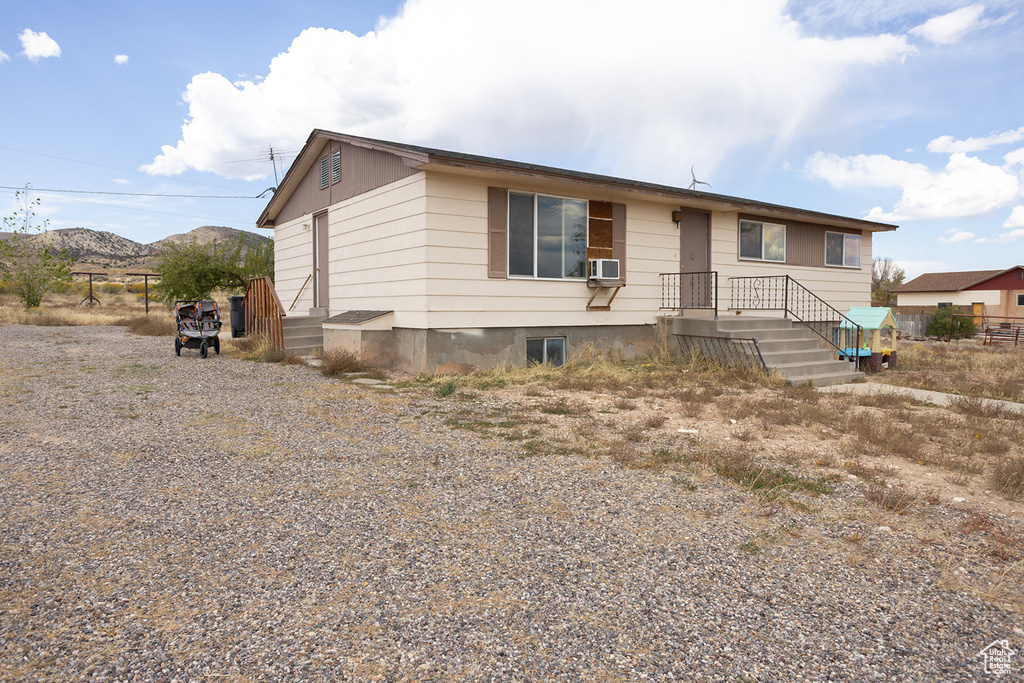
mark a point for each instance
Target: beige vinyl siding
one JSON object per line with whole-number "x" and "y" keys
{"x": 840, "y": 287}
{"x": 378, "y": 252}
{"x": 962, "y": 299}
{"x": 460, "y": 294}
{"x": 293, "y": 263}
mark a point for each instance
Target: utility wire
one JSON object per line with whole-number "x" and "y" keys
{"x": 130, "y": 194}
{"x": 112, "y": 168}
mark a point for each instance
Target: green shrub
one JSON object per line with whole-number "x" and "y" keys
{"x": 956, "y": 328}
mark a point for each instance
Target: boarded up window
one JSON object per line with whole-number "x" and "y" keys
{"x": 599, "y": 242}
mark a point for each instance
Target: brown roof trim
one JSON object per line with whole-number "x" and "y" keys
{"x": 424, "y": 157}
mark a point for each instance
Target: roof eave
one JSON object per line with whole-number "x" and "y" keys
{"x": 711, "y": 200}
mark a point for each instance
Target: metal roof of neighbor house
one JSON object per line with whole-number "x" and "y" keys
{"x": 947, "y": 282}
{"x": 419, "y": 157}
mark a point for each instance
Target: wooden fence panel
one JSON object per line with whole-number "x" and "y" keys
{"x": 913, "y": 325}
{"x": 263, "y": 311}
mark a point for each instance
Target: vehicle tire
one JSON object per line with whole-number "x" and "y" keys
{"x": 177, "y": 346}
{"x": 203, "y": 350}
{"x": 216, "y": 345}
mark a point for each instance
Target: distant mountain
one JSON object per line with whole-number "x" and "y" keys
{"x": 106, "y": 250}
{"x": 207, "y": 234}
{"x": 91, "y": 245}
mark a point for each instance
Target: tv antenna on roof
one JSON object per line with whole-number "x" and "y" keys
{"x": 695, "y": 183}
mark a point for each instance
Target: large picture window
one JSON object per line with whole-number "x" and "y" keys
{"x": 842, "y": 250}
{"x": 547, "y": 236}
{"x": 762, "y": 241}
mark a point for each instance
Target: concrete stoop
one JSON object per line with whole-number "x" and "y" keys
{"x": 790, "y": 349}
{"x": 302, "y": 334}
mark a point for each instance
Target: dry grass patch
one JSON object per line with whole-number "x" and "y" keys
{"x": 898, "y": 499}
{"x": 335, "y": 363}
{"x": 259, "y": 349}
{"x": 1006, "y": 477}
{"x": 965, "y": 368}
{"x": 153, "y": 325}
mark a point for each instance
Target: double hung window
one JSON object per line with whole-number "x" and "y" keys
{"x": 762, "y": 241}
{"x": 547, "y": 236}
{"x": 842, "y": 250}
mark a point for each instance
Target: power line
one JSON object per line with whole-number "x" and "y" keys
{"x": 112, "y": 168}
{"x": 219, "y": 221}
{"x": 131, "y": 194}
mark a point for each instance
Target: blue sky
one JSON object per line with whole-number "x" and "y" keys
{"x": 905, "y": 112}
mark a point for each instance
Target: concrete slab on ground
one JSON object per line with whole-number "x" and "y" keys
{"x": 935, "y": 397}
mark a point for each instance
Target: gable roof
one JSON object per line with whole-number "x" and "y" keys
{"x": 948, "y": 282}
{"x": 425, "y": 158}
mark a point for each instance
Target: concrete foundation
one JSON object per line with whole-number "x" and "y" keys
{"x": 467, "y": 350}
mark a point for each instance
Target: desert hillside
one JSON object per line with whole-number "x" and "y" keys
{"x": 95, "y": 249}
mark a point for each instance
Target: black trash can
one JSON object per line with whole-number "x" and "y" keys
{"x": 237, "y": 305}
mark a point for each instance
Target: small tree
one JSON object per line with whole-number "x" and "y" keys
{"x": 192, "y": 271}
{"x": 956, "y": 328}
{"x": 885, "y": 276}
{"x": 28, "y": 268}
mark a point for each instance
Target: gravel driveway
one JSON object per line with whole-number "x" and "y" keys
{"x": 166, "y": 518}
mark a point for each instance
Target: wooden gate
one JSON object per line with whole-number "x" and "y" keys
{"x": 263, "y": 311}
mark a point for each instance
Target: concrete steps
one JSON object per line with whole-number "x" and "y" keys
{"x": 793, "y": 351}
{"x": 302, "y": 334}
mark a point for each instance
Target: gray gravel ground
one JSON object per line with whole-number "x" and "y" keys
{"x": 167, "y": 518}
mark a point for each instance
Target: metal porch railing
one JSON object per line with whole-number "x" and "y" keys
{"x": 730, "y": 351}
{"x": 783, "y": 293}
{"x": 697, "y": 290}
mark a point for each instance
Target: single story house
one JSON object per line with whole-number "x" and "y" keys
{"x": 982, "y": 292}
{"x": 431, "y": 260}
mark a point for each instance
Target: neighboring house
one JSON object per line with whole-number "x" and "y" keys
{"x": 982, "y": 292}
{"x": 430, "y": 259}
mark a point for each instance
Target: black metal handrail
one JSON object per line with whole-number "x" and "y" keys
{"x": 728, "y": 351}
{"x": 697, "y": 290}
{"x": 783, "y": 293}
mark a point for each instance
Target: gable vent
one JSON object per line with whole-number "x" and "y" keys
{"x": 336, "y": 167}
{"x": 325, "y": 173}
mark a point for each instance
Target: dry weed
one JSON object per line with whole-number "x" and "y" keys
{"x": 1007, "y": 477}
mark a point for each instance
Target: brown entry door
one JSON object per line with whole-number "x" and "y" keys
{"x": 694, "y": 238}
{"x": 321, "y": 266}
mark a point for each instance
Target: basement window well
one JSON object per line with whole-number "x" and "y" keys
{"x": 545, "y": 350}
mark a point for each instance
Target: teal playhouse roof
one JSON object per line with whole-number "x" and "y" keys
{"x": 870, "y": 317}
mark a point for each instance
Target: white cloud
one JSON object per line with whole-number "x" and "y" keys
{"x": 1005, "y": 238}
{"x": 459, "y": 74}
{"x": 121, "y": 181}
{"x": 38, "y": 45}
{"x": 966, "y": 187}
{"x": 4, "y": 57}
{"x": 950, "y": 28}
{"x": 947, "y": 144}
{"x": 1014, "y": 224}
{"x": 956, "y": 236}
{"x": 120, "y": 59}
{"x": 1014, "y": 158}
{"x": 1016, "y": 219}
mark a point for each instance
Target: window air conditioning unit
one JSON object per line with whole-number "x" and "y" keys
{"x": 604, "y": 269}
